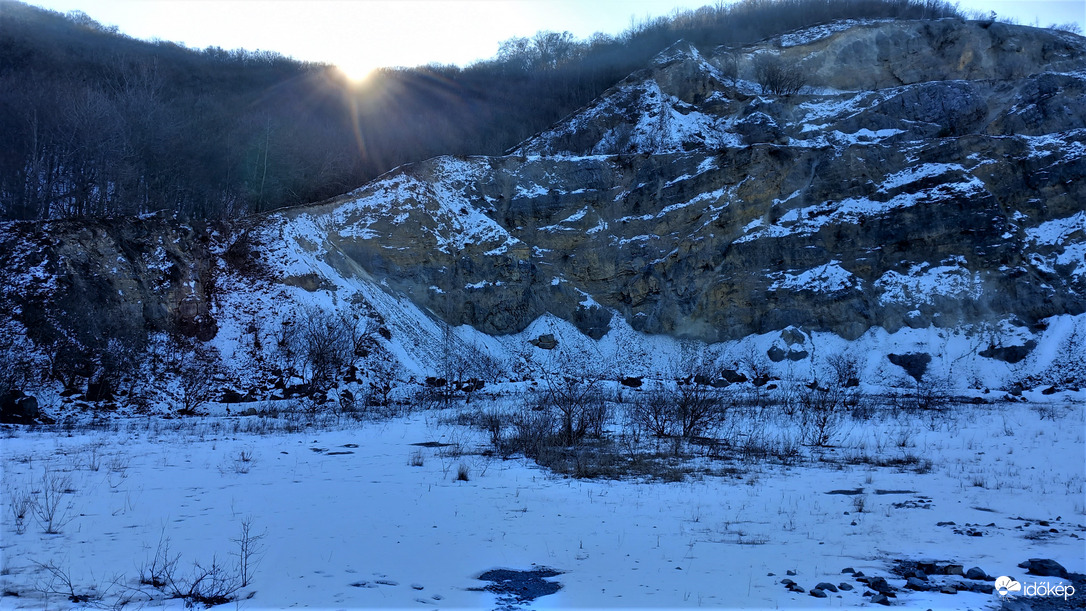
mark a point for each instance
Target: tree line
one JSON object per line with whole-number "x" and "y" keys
{"x": 96, "y": 123}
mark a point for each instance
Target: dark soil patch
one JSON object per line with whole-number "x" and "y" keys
{"x": 895, "y": 492}
{"x": 847, "y": 492}
{"x": 518, "y": 588}
{"x": 431, "y": 444}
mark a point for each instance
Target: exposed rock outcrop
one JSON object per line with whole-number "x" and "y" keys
{"x": 930, "y": 174}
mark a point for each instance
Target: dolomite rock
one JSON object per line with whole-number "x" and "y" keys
{"x": 931, "y": 174}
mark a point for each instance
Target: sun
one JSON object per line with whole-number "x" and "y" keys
{"x": 356, "y": 72}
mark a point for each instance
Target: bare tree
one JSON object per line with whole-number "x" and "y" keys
{"x": 778, "y": 78}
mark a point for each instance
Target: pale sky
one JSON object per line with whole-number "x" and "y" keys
{"x": 359, "y": 35}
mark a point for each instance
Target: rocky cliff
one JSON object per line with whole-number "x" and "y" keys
{"x": 929, "y": 174}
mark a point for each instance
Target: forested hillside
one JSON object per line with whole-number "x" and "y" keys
{"x": 96, "y": 123}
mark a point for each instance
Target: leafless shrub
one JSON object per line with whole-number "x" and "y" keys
{"x": 318, "y": 344}
{"x": 383, "y": 374}
{"x": 208, "y": 585}
{"x": 239, "y": 463}
{"x": 21, "y": 503}
{"x": 250, "y": 547}
{"x": 159, "y": 572}
{"x": 778, "y": 78}
{"x": 493, "y": 422}
{"x": 577, "y": 402}
{"x": 51, "y": 506}
{"x": 859, "y": 503}
{"x": 60, "y": 582}
{"x": 94, "y": 457}
{"x": 822, "y": 411}
{"x": 630, "y": 438}
{"x": 533, "y": 432}
{"x": 417, "y": 459}
{"x": 729, "y": 68}
{"x": 652, "y": 411}
{"x": 195, "y": 369}
{"x": 697, "y": 407}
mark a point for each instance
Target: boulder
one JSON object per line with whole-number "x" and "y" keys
{"x": 546, "y": 341}
{"x": 1044, "y": 567}
{"x": 916, "y": 584}
{"x": 17, "y": 407}
{"x": 977, "y": 574}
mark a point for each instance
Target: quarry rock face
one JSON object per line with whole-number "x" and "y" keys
{"x": 927, "y": 175}
{"x": 930, "y": 173}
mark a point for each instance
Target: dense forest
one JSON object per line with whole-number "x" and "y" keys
{"x": 96, "y": 123}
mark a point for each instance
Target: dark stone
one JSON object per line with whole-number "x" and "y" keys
{"x": 848, "y": 570}
{"x": 976, "y": 573}
{"x": 472, "y": 385}
{"x": 845, "y": 587}
{"x": 879, "y": 584}
{"x": 790, "y": 572}
{"x": 631, "y": 382}
{"x": 825, "y": 585}
{"x": 982, "y": 588}
{"x": 775, "y": 354}
{"x": 298, "y": 390}
{"x": 880, "y": 599}
{"x": 916, "y": 584}
{"x": 546, "y": 341}
{"x": 1009, "y": 354}
{"x": 758, "y": 128}
{"x": 593, "y": 321}
{"x": 231, "y": 396}
{"x": 99, "y": 391}
{"x": 793, "y": 336}
{"x": 788, "y": 582}
{"x": 818, "y": 593}
{"x": 17, "y": 407}
{"x": 915, "y": 364}
{"x": 733, "y": 377}
{"x": 1044, "y": 567}
{"x": 797, "y": 589}
{"x": 948, "y": 589}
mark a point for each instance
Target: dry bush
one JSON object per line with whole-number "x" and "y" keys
{"x": 777, "y": 77}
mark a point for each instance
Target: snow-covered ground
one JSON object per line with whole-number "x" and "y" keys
{"x": 356, "y": 514}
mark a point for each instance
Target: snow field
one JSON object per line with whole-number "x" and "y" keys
{"x": 355, "y": 516}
